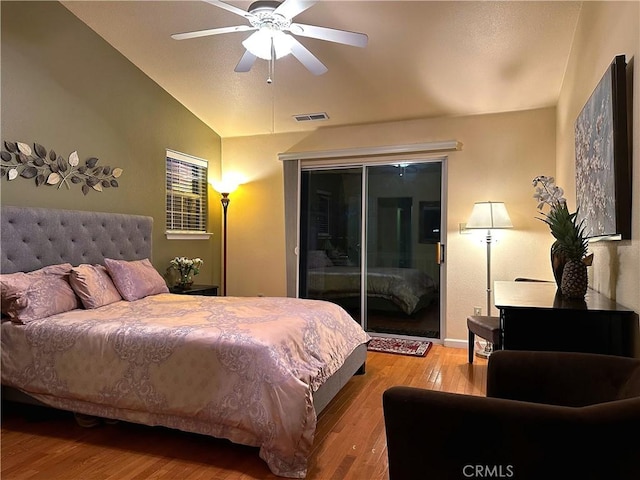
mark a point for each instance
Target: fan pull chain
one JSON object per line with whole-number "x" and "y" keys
{"x": 271, "y": 71}
{"x": 273, "y": 110}
{"x": 272, "y": 63}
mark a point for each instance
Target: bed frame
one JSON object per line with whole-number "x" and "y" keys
{"x": 32, "y": 238}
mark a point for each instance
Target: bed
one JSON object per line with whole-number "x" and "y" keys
{"x": 256, "y": 371}
{"x": 405, "y": 290}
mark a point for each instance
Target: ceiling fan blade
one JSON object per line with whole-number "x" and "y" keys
{"x": 246, "y": 62}
{"x": 307, "y": 58}
{"x": 291, "y": 8}
{"x": 230, "y": 8}
{"x": 330, "y": 34}
{"x": 212, "y": 31}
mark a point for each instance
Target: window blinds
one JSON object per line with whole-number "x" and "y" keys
{"x": 186, "y": 193}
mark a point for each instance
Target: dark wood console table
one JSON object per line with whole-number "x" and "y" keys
{"x": 534, "y": 316}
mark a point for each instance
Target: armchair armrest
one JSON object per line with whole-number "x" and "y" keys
{"x": 432, "y": 434}
{"x": 557, "y": 378}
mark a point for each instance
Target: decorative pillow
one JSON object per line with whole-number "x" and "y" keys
{"x": 93, "y": 285}
{"x": 135, "y": 279}
{"x": 318, "y": 259}
{"x": 38, "y": 294}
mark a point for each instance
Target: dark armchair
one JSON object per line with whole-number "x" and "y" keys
{"x": 546, "y": 415}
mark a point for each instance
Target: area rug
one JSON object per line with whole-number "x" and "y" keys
{"x": 416, "y": 348}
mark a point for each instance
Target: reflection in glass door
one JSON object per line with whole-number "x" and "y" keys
{"x": 403, "y": 232}
{"x": 397, "y": 267}
{"x": 330, "y": 237}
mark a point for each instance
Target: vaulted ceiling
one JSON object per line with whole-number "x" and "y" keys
{"x": 423, "y": 59}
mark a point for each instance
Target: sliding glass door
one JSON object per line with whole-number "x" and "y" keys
{"x": 369, "y": 241}
{"x": 402, "y": 238}
{"x": 331, "y": 236}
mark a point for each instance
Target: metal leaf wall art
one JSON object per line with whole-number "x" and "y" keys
{"x": 20, "y": 160}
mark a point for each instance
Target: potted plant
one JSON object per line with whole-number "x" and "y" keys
{"x": 569, "y": 251}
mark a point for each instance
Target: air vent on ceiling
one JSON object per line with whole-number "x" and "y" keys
{"x": 311, "y": 117}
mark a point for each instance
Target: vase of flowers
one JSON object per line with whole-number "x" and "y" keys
{"x": 186, "y": 269}
{"x": 569, "y": 259}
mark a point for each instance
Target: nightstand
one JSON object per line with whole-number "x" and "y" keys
{"x": 206, "y": 290}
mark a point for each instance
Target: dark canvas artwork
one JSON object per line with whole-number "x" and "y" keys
{"x": 595, "y": 175}
{"x": 602, "y": 162}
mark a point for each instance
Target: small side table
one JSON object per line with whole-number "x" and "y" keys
{"x": 206, "y": 290}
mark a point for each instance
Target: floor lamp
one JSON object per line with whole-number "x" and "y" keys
{"x": 488, "y": 216}
{"x": 224, "y": 191}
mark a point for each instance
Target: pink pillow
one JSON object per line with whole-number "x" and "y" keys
{"x": 93, "y": 285}
{"x": 37, "y": 294}
{"x": 135, "y": 279}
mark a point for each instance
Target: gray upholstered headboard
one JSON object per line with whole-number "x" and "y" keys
{"x": 31, "y": 238}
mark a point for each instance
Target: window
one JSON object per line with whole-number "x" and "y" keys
{"x": 186, "y": 196}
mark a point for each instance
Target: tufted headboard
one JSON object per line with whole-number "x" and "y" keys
{"x": 31, "y": 238}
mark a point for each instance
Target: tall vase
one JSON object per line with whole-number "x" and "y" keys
{"x": 558, "y": 261}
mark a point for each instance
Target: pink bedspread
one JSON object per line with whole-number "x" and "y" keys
{"x": 244, "y": 369}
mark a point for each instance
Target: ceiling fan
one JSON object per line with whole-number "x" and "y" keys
{"x": 274, "y": 32}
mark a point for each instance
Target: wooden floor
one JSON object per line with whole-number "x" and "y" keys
{"x": 350, "y": 440}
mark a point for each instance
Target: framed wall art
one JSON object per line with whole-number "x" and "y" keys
{"x": 603, "y": 161}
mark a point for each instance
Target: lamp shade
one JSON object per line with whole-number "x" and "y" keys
{"x": 226, "y": 187}
{"x": 259, "y": 43}
{"x": 488, "y": 215}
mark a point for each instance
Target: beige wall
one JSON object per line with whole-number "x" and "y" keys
{"x": 67, "y": 89}
{"x": 256, "y": 242}
{"x": 500, "y": 156}
{"x": 605, "y": 29}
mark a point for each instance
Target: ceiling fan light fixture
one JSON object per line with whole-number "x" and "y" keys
{"x": 259, "y": 43}
{"x": 274, "y": 34}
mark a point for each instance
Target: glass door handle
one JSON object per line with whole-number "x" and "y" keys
{"x": 439, "y": 253}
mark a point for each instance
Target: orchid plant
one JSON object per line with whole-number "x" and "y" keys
{"x": 547, "y": 192}
{"x": 569, "y": 234}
